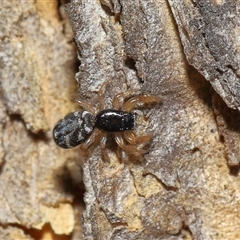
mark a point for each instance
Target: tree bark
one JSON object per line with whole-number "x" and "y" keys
{"x": 37, "y": 78}
{"x": 186, "y": 186}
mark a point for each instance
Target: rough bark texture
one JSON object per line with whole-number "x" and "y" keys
{"x": 187, "y": 185}
{"x": 37, "y": 74}
{"x": 209, "y": 31}
{"x": 184, "y": 188}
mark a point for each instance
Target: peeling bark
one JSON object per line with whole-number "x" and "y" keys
{"x": 209, "y": 32}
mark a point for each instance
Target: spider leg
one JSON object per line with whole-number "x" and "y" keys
{"x": 84, "y": 146}
{"x": 132, "y": 102}
{"x": 103, "y": 146}
{"x": 89, "y": 141}
{"x": 132, "y": 139}
{"x": 84, "y": 105}
{"x": 117, "y": 103}
{"x": 101, "y": 93}
{"x": 119, "y": 153}
{"x": 103, "y": 138}
{"x": 119, "y": 140}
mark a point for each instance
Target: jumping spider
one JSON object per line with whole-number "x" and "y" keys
{"x": 84, "y": 127}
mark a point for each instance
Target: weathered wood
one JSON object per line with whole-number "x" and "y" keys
{"x": 209, "y": 32}
{"x": 183, "y": 188}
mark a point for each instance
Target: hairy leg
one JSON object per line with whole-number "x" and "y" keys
{"x": 84, "y": 147}
{"x": 129, "y": 148}
{"x": 117, "y": 102}
{"x": 84, "y": 105}
{"x": 103, "y": 140}
{"x": 130, "y": 137}
{"x": 101, "y": 93}
{"x": 132, "y": 102}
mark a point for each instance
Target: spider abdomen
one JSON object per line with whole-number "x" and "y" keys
{"x": 73, "y": 129}
{"x": 111, "y": 120}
